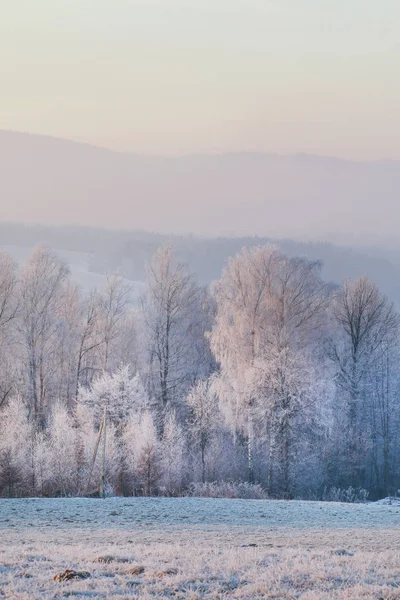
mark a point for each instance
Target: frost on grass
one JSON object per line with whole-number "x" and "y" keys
{"x": 223, "y": 549}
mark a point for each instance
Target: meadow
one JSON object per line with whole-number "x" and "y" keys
{"x": 198, "y": 548}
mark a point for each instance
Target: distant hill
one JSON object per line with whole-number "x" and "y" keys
{"x": 52, "y": 181}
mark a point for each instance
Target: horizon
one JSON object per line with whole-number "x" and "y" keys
{"x": 211, "y": 153}
{"x": 58, "y": 181}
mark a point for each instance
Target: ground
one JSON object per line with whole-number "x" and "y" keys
{"x": 199, "y": 548}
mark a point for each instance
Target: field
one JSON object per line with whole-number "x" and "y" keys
{"x": 198, "y": 548}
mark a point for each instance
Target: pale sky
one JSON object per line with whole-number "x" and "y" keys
{"x": 187, "y": 76}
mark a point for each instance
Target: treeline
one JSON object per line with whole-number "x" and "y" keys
{"x": 269, "y": 376}
{"x": 130, "y": 250}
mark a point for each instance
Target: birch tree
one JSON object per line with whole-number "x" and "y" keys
{"x": 170, "y": 316}
{"x": 89, "y": 341}
{"x": 366, "y": 323}
{"x": 268, "y": 307}
{"x": 42, "y": 281}
{"x": 115, "y": 300}
{"x": 9, "y": 303}
{"x": 203, "y": 418}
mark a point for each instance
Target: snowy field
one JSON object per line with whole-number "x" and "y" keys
{"x": 199, "y": 548}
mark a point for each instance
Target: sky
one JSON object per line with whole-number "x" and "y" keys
{"x": 176, "y": 77}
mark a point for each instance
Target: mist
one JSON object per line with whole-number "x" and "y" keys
{"x": 51, "y": 181}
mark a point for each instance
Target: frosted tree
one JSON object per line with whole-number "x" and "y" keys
{"x": 200, "y": 359}
{"x": 172, "y": 449}
{"x": 242, "y": 297}
{"x": 142, "y": 452}
{"x": 293, "y": 397}
{"x": 171, "y": 312}
{"x": 366, "y": 325}
{"x": 121, "y": 393}
{"x": 88, "y": 434}
{"x": 8, "y": 290}
{"x": 90, "y": 338}
{"x": 294, "y": 326}
{"x": 203, "y": 419}
{"x": 42, "y": 463}
{"x": 127, "y": 350}
{"x": 42, "y": 282}
{"x": 9, "y": 303}
{"x": 383, "y": 410}
{"x": 16, "y": 434}
{"x": 115, "y": 300}
{"x": 268, "y": 307}
{"x": 63, "y": 443}
{"x": 63, "y": 345}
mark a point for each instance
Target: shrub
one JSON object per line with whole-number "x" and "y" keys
{"x": 227, "y": 489}
{"x": 353, "y": 495}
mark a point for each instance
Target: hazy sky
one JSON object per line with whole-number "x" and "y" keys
{"x": 183, "y": 76}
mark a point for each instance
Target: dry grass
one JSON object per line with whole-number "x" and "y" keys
{"x": 189, "y": 563}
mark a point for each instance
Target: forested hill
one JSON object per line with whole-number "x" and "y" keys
{"x": 96, "y": 250}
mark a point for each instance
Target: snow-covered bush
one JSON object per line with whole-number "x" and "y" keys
{"x": 352, "y": 495}
{"x": 227, "y": 489}
{"x": 63, "y": 443}
{"x": 141, "y": 450}
{"x": 16, "y": 434}
{"x": 172, "y": 457}
{"x": 204, "y": 419}
{"x": 42, "y": 464}
{"x": 121, "y": 393}
{"x": 88, "y": 433}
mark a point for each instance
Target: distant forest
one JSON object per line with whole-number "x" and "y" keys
{"x": 128, "y": 251}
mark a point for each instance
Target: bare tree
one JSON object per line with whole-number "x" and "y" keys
{"x": 90, "y": 339}
{"x": 41, "y": 290}
{"x": 383, "y": 410}
{"x": 8, "y": 288}
{"x": 365, "y": 321}
{"x": 62, "y": 345}
{"x": 170, "y": 318}
{"x": 204, "y": 418}
{"x": 115, "y": 300}
{"x": 8, "y": 312}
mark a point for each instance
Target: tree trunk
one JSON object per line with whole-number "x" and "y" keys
{"x": 250, "y": 444}
{"x": 286, "y": 462}
{"x": 203, "y": 463}
{"x": 271, "y": 448}
{"x": 32, "y": 384}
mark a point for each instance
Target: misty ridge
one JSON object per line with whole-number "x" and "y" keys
{"x": 52, "y": 181}
{"x": 117, "y": 200}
